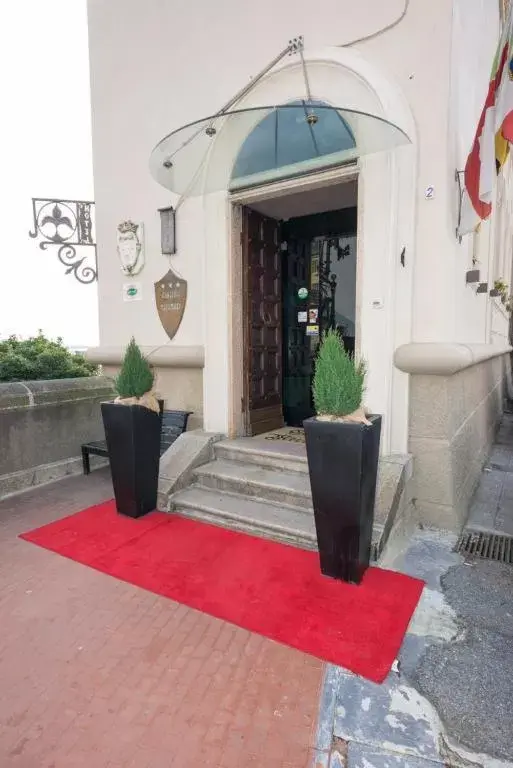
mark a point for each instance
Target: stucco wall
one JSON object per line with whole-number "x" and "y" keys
{"x": 42, "y": 426}
{"x": 166, "y": 65}
{"x": 134, "y": 105}
{"x": 178, "y": 375}
{"x": 181, "y": 389}
{"x": 477, "y": 317}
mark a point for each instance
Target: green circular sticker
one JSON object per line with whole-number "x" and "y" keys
{"x": 302, "y": 293}
{"x": 132, "y": 291}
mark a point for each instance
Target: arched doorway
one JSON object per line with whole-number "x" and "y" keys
{"x": 386, "y": 224}
{"x": 298, "y": 259}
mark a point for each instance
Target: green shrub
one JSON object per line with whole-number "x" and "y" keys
{"x": 339, "y": 382}
{"x": 135, "y": 377}
{"x": 39, "y": 358}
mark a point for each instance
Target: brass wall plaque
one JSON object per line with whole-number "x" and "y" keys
{"x": 171, "y": 298}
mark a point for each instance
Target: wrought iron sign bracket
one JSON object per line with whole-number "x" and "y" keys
{"x": 67, "y": 225}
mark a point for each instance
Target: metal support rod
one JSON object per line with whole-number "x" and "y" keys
{"x": 295, "y": 45}
{"x": 305, "y": 75}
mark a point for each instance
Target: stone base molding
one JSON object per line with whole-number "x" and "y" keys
{"x": 178, "y": 374}
{"x": 165, "y": 356}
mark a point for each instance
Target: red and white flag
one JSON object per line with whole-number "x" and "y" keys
{"x": 504, "y": 100}
{"x": 493, "y": 136}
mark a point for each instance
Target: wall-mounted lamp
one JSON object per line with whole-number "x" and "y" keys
{"x": 167, "y": 230}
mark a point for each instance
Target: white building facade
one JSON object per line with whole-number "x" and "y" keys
{"x": 408, "y": 80}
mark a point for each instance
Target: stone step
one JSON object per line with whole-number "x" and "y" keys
{"x": 280, "y": 522}
{"x": 263, "y": 488}
{"x": 285, "y": 487}
{"x": 283, "y": 457}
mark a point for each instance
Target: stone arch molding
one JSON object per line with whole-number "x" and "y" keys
{"x": 386, "y": 221}
{"x": 340, "y": 77}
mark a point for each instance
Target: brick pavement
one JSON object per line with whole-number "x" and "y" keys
{"x": 98, "y": 673}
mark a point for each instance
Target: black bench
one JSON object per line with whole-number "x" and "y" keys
{"x": 173, "y": 424}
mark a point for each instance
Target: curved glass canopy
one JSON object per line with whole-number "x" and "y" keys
{"x": 247, "y": 147}
{"x": 288, "y": 137}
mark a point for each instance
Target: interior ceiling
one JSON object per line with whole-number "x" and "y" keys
{"x": 330, "y": 198}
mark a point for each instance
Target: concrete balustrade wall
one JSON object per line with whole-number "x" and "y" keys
{"x": 456, "y": 403}
{"x": 42, "y": 426}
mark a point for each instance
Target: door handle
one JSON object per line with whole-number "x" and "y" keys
{"x": 267, "y": 318}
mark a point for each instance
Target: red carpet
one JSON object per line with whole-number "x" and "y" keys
{"x": 268, "y": 588}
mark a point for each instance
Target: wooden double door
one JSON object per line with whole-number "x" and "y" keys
{"x": 262, "y": 317}
{"x": 280, "y": 260}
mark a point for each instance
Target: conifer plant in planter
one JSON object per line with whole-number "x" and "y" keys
{"x": 342, "y": 445}
{"x": 133, "y": 424}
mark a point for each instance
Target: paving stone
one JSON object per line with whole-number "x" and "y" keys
{"x": 507, "y": 482}
{"x": 320, "y": 760}
{"x": 98, "y": 673}
{"x": 501, "y": 457}
{"x": 489, "y": 488}
{"x": 504, "y": 519}
{"x": 337, "y": 760}
{"x": 482, "y": 515}
{"x": 412, "y": 650}
{"x": 428, "y": 556}
{"x": 328, "y": 699}
{"x": 363, "y": 756}
{"x": 392, "y": 714}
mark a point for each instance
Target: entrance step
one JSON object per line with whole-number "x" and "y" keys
{"x": 283, "y": 487}
{"x": 265, "y": 454}
{"x": 280, "y": 522}
{"x": 262, "y": 487}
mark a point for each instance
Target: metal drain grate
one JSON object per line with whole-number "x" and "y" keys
{"x": 489, "y": 546}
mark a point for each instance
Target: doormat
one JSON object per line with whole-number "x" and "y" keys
{"x": 292, "y": 435}
{"x": 268, "y": 588}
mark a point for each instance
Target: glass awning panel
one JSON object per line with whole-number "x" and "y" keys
{"x": 246, "y": 147}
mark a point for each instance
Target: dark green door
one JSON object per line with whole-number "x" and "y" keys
{"x": 310, "y": 250}
{"x": 297, "y": 358}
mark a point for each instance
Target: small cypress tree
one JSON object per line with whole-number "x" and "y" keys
{"x": 339, "y": 382}
{"x": 135, "y": 377}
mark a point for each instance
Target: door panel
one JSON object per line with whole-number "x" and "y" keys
{"x": 315, "y": 245}
{"x": 297, "y": 359}
{"x": 263, "y": 322}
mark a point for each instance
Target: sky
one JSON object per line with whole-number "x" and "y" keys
{"x": 45, "y": 151}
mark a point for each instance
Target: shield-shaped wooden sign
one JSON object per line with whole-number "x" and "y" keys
{"x": 171, "y": 298}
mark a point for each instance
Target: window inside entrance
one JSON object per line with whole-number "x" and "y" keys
{"x": 285, "y": 144}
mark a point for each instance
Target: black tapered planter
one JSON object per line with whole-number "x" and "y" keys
{"x": 343, "y": 465}
{"x": 133, "y": 435}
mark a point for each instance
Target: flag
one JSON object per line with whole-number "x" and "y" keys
{"x": 481, "y": 165}
{"x": 504, "y": 100}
